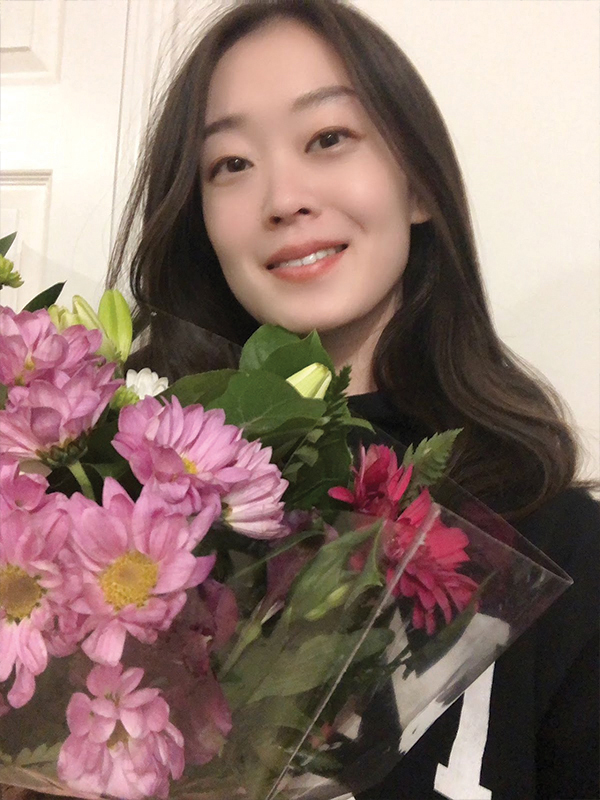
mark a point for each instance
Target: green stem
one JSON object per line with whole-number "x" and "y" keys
{"x": 250, "y": 631}
{"x": 82, "y": 479}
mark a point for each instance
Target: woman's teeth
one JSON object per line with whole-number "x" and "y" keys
{"x": 311, "y": 259}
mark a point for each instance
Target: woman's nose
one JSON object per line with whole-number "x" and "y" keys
{"x": 288, "y": 195}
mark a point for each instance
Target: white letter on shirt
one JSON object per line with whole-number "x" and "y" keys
{"x": 460, "y": 779}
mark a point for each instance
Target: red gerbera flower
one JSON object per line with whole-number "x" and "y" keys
{"x": 431, "y": 576}
{"x": 379, "y": 483}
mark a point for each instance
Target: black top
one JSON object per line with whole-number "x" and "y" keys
{"x": 535, "y": 734}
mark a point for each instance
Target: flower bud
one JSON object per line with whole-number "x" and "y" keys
{"x": 137, "y": 386}
{"x": 113, "y": 320}
{"x": 8, "y": 274}
{"x": 115, "y": 317}
{"x": 333, "y": 600}
{"x": 312, "y": 381}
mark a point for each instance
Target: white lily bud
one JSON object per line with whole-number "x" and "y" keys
{"x": 312, "y": 381}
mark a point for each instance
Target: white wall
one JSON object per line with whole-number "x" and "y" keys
{"x": 518, "y": 84}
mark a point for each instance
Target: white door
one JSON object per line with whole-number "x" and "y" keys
{"x": 77, "y": 77}
{"x": 62, "y": 65}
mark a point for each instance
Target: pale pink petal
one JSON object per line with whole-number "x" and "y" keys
{"x": 105, "y": 644}
{"x": 79, "y": 717}
{"x": 31, "y": 648}
{"x": 23, "y": 688}
{"x": 8, "y": 647}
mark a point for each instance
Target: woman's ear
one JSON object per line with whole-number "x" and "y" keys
{"x": 418, "y": 211}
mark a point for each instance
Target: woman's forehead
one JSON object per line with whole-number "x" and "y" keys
{"x": 275, "y": 67}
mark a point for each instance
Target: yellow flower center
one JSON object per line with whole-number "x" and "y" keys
{"x": 19, "y": 592}
{"x": 29, "y": 362}
{"x": 129, "y": 579}
{"x": 189, "y": 466}
{"x": 118, "y": 735}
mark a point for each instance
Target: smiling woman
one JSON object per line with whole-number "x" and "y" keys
{"x": 307, "y": 209}
{"x": 299, "y": 173}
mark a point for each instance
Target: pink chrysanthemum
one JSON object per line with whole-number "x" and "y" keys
{"x": 18, "y": 490}
{"x": 121, "y": 742}
{"x": 431, "y": 576}
{"x": 33, "y": 589}
{"x": 379, "y": 483}
{"x": 31, "y": 346}
{"x": 187, "y": 452}
{"x": 253, "y": 506}
{"x": 136, "y": 562}
{"x": 47, "y": 419}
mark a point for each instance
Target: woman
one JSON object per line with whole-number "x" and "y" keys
{"x": 299, "y": 173}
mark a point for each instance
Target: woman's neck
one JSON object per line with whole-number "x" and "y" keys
{"x": 355, "y": 344}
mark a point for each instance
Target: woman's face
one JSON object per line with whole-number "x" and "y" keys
{"x": 304, "y": 204}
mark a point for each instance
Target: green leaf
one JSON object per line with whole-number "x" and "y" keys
{"x": 3, "y": 395}
{"x": 307, "y": 455}
{"x": 317, "y": 587}
{"x": 430, "y": 458}
{"x": 263, "y": 342}
{"x": 331, "y": 469}
{"x": 371, "y": 573}
{"x": 6, "y": 242}
{"x": 41, "y": 754}
{"x": 99, "y": 444}
{"x": 46, "y": 298}
{"x": 358, "y": 422}
{"x": 289, "y": 542}
{"x": 288, "y": 436}
{"x": 260, "y": 402}
{"x": 110, "y": 470}
{"x": 201, "y": 388}
{"x": 291, "y": 358}
{"x": 316, "y": 661}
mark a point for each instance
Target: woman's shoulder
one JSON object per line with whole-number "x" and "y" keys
{"x": 566, "y": 526}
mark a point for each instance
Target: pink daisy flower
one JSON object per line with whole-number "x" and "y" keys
{"x": 33, "y": 590}
{"x": 136, "y": 562}
{"x": 253, "y": 506}
{"x": 187, "y": 452}
{"x": 431, "y": 576}
{"x": 30, "y": 346}
{"x": 121, "y": 742}
{"x": 47, "y": 419}
{"x": 18, "y": 490}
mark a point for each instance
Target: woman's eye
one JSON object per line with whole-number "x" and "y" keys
{"x": 229, "y": 165}
{"x": 329, "y": 139}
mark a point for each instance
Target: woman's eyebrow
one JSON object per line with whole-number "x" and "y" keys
{"x": 304, "y": 101}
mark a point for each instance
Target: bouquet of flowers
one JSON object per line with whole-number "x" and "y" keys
{"x": 202, "y": 593}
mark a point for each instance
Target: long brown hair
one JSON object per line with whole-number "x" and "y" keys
{"x": 439, "y": 358}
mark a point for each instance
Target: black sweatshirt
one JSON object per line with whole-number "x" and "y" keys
{"x": 528, "y": 728}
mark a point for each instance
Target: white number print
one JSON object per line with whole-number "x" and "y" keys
{"x": 461, "y": 778}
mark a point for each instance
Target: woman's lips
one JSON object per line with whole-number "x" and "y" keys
{"x": 308, "y": 272}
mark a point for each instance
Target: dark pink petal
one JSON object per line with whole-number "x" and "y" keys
{"x": 341, "y": 493}
{"x": 46, "y": 426}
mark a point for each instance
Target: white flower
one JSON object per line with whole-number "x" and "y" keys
{"x": 145, "y": 382}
